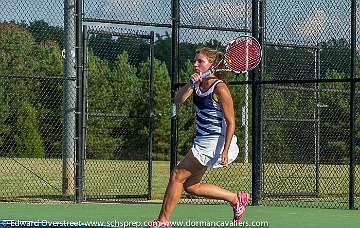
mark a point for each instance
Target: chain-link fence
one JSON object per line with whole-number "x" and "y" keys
{"x": 357, "y": 159}
{"x": 306, "y": 127}
{"x": 119, "y": 131}
{"x": 214, "y": 24}
{"x": 45, "y": 93}
{"x": 30, "y": 151}
{"x": 303, "y": 92}
{"x": 32, "y": 103}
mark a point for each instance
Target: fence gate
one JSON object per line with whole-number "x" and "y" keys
{"x": 291, "y": 126}
{"x": 119, "y": 94}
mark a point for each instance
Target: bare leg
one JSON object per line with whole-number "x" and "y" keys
{"x": 187, "y": 167}
{"x": 188, "y": 174}
{"x": 194, "y": 187}
{"x": 211, "y": 191}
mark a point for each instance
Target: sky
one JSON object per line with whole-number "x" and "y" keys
{"x": 290, "y": 21}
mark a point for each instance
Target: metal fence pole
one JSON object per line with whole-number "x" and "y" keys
{"x": 79, "y": 185}
{"x": 352, "y": 107}
{"x": 68, "y": 155}
{"x": 85, "y": 97}
{"x": 174, "y": 71}
{"x": 255, "y": 114}
{"x": 245, "y": 121}
{"x": 152, "y": 114}
{"x": 317, "y": 122}
{"x": 245, "y": 108}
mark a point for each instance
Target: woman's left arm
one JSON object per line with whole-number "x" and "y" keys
{"x": 223, "y": 94}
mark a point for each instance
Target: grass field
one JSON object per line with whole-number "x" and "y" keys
{"x": 36, "y": 178}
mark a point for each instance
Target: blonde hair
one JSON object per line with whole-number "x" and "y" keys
{"x": 214, "y": 57}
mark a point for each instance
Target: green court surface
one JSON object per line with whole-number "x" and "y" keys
{"x": 189, "y": 215}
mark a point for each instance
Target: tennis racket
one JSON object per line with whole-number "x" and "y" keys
{"x": 241, "y": 55}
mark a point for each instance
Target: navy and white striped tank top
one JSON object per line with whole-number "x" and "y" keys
{"x": 209, "y": 115}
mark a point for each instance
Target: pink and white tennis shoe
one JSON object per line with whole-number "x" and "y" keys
{"x": 239, "y": 207}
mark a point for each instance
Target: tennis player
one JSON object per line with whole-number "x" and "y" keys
{"x": 214, "y": 144}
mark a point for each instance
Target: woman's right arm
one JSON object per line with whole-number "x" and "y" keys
{"x": 183, "y": 93}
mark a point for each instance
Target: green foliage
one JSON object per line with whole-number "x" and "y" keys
{"x": 25, "y": 103}
{"x": 27, "y": 136}
{"x": 161, "y": 107}
{"x": 43, "y": 32}
{"x": 17, "y": 47}
{"x": 276, "y": 147}
{"x": 50, "y": 61}
{"x": 125, "y": 84}
{"x": 162, "y": 49}
{"x": 128, "y": 100}
{"x": 289, "y": 63}
{"x": 107, "y": 47}
{"x": 99, "y": 142}
{"x": 123, "y": 92}
{"x": 4, "y": 113}
{"x": 186, "y": 50}
{"x": 335, "y": 55}
{"x": 120, "y": 95}
{"x": 335, "y": 120}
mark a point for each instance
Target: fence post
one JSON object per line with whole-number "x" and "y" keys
{"x": 174, "y": 72}
{"x": 80, "y": 107}
{"x": 256, "y": 96}
{"x": 352, "y": 107}
{"x": 151, "y": 111}
{"x": 258, "y": 23}
{"x": 68, "y": 153}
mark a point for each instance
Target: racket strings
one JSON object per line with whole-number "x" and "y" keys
{"x": 243, "y": 55}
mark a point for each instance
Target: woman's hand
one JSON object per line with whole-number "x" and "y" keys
{"x": 195, "y": 78}
{"x": 184, "y": 92}
{"x": 224, "y": 158}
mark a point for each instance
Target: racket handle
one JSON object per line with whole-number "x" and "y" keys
{"x": 205, "y": 74}
{"x": 192, "y": 81}
{"x": 202, "y": 74}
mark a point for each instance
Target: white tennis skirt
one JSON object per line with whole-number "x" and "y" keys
{"x": 208, "y": 150}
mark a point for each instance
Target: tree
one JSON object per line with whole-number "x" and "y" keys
{"x": 335, "y": 55}
{"x": 43, "y": 32}
{"x": 186, "y": 50}
{"x": 32, "y": 107}
{"x": 49, "y": 96}
{"x": 127, "y": 94}
{"x": 108, "y": 47}
{"x": 161, "y": 134}
{"x": 286, "y": 63}
{"x": 162, "y": 49}
{"x": 17, "y": 48}
{"x": 100, "y": 144}
{"x": 27, "y": 137}
{"x": 4, "y": 115}
{"x": 334, "y": 133}
{"x": 115, "y": 127}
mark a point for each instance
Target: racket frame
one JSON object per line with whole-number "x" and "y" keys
{"x": 223, "y": 60}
